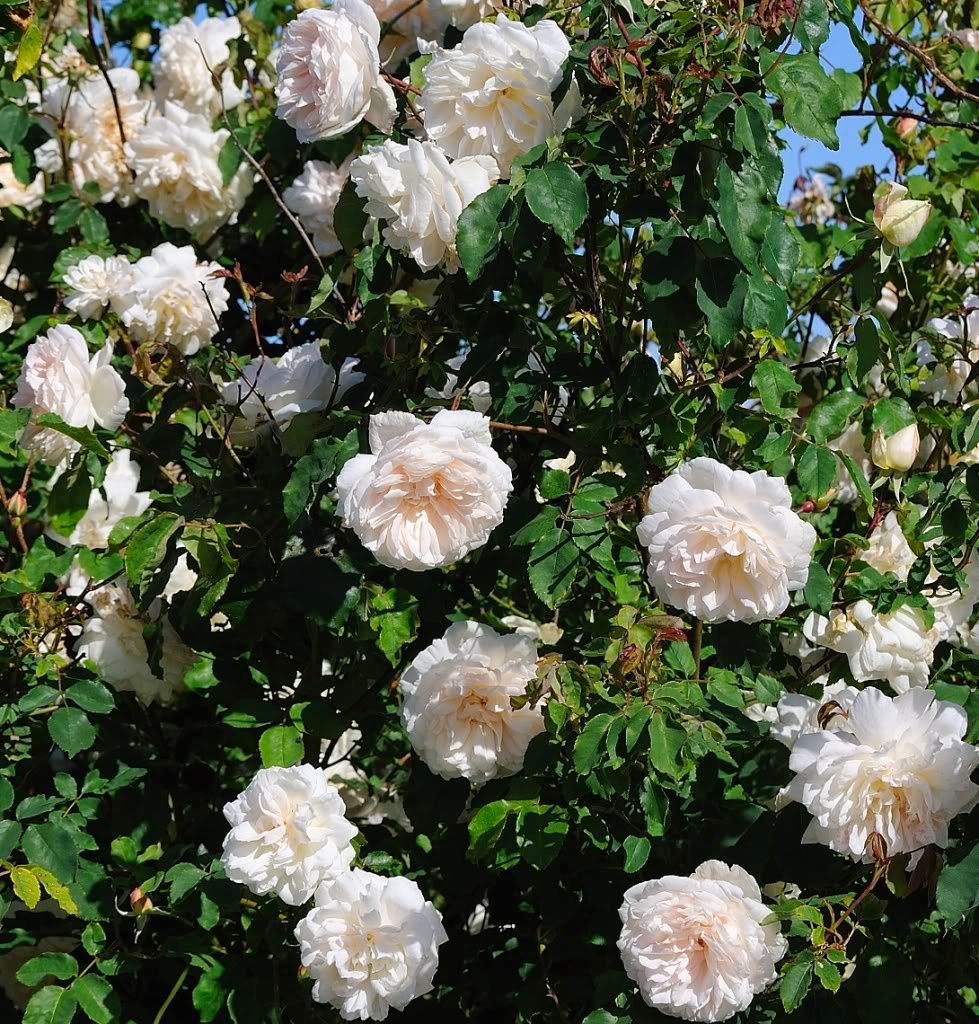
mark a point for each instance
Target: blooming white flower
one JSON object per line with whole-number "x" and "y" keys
{"x": 543, "y": 632}
{"x": 695, "y": 944}
{"x": 14, "y": 192}
{"x": 298, "y": 381}
{"x": 420, "y": 195}
{"x": 58, "y": 376}
{"x": 953, "y": 608}
{"x": 409, "y": 26}
{"x": 313, "y": 198}
{"x": 164, "y": 299}
{"x": 851, "y": 443}
{"x": 798, "y": 715}
{"x": 181, "y": 73}
{"x": 948, "y": 379}
{"x": 889, "y": 550}
{"x": 94, "y": 147}
{"x": 175, "y": 159}
{"x": 491, "y": 94}
{"x": 428, "y": 494}
{"x": 725, "y": 544}
{"x": 899, "y": 219}
{"x": 113, "y": 640}
{"x": 895, "y": 646}
{"x": 456, "y": 708}
{"x": 899, "y": 768}
{"x": 118, "y": 497}
{"x": 328, "y": 73}
{"x": 92, "y": 282}
{"x": 896, "y": 453}
{"x": 288, "y": 834}
{"x": 370, "y": 944}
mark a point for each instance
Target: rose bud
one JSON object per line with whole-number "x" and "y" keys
{"x": 906, "y": 127}
{"x": 897, "y": 452}
{"x": 141, "y": 904}
{"x": 898, "y": 218}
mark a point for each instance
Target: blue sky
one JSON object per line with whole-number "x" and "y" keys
{"x": 837, "y": 52}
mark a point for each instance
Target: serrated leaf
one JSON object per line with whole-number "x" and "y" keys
{"x": 71, "y": 729}
{"x": 775, "y": 384}
{"x": 957, "y": 892}
{"x": 147, "y": 548}
{"x": 183, "y": 878}
{"x": 588, "y": 745}
{"x": 811, "y": 99}
{"x": 55, "y": 889}
{"x": 91, "y": 696}
{"x": 280, "y": 746}
{"x": 29, "y": 50}
{"x": 830, "y": 417}
{"x": 50, "y": 845}
{"x": 47, "y": 965}
{"x": 818, "y": 591}
{"x": 636, "y": 849}
{"x": 556, "y": 196}
{"x": 479, "y": 230}
{"x": 26, "y": 886}
{"x": 395, "y": 619}
{"x": 552, "y": 566}
{"x": 96, "y": 998}
{"x": 50, "y": 1005}
{"x": 81, "y": 435}
{"x": 816, "y": 470}
{"x": 795, "y": 985}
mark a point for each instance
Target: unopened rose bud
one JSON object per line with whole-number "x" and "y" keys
{"x": 906, "y": 127}
{"x": 887, "y": 303}
{"x": 142, "y": 41}
{"x": 824, "y": 501}
{"x": 897, "y": 452}
{"x": 877, "y": 847}
{"x": 141, "y": 904}
{"x": 629, "y": 659}
{"x": 17, "y": 505}
{"x": 898, "y": 218}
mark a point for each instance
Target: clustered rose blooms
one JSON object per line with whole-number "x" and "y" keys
{"x": 275, "y": 391}
{"x": 725, "y": 544}
{"x": 329, "y": 73}
{"x": 420, "y": 195}
{"x": 456, "y": 709}
{"x": 289, "y": 834}
{"x": 370, "y": 944}
{"x": 429, "y": 493}
{"x": 59, "y": 377}
{"x": 696, "y": 945}
{"x": 187, "y": 50}
{"x": 897, "y": 766}
{"x": 313, "y": 197}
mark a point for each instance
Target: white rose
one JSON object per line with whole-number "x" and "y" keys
{"x": 899, "y": 219}
{"x": 329, "y": 73}
{"x": 420, "y": 195}
{"x": 798, "y": 715}
{"x": 409, "y": 24}
{"x": 895, "y": 646}
{"x": 298, "y": 381}
{"x": 163, "y": 299}
{"x": 14, "y": 192}
{"x": 428, "y": 494}
{"x": 118, "y": 497}
{"x": 313, "y": 197}
{"x": 91, "y": 283}
{"x": 896, "y": 453}
{"x": 889, "y": 550}
{"x": 175, "y": 159}
{"x": 113, "y": 640}
{"x": 288, "y": 834}
{"x": 695, "y": 944}
{"x": 948, "y": 379}
{"x": 953, "y": 608}
{"x": 725, "y": 544}
{"x": 456, "y": 708}
{"x": 91, "y": 129}
{"x": 548, "y": 633}
{"x": 181, "y": 73}
{"x": 370, "y": 944}
{"x": 59, "y": 377}
{"x": 851, "y": 443}
{"x": 899, "y": 768}
{"x": 491, "y": 94}
{"x": 889, "y": 299}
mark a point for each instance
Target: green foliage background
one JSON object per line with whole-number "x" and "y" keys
{"x": 654, "y": 221}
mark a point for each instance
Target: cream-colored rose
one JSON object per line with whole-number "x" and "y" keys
{"x": 329, "y": 73}
{"x": 429, "y": 493}
{"x": 899, "y": 219}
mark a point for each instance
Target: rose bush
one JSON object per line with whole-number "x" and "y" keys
{"x": 478, "y": 541}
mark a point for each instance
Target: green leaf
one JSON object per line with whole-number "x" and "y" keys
{"x": 96, "y": 998}
{"x": 553, "y": 564}
{"x": 51, "y": 846}
{"x": 6, "y": 795}
{"x": 543, "y": 523}
{"x": 588, "y": 745}
{"x": 229, "y": 160}
{"x": 71, "y": 730}
{"x": 724, "y": 321}
{"x": 744, "y": 210}
{"x": 210, "y": 994}
{"x": 350, "y": 218}
{"x": 664, "y": 745}
{"x": 83, "y": 436}
{"x": 828, "y": 975}
{"x": 14, "y": 124}
{"x": 775, "y": 383}
{"x": 50, "y": 1005}
{"x": 725, "y": 691}
{"x": 93, "y": 226}
{"x": 326, "y": 455}
{"x": 485, "y": 828}
{"x": 91, "y": 696}
{"x": 47, "y": 965}
{"x": 556, "y": 196}
{"x": 395, "y": 619}
{"x": 147, "y": 548}
{"x": 636, "y": 849}
{"x": 816, "y": 470}
{"x": 958, "y": 888}
{"x": 183, "y": 878}
{"x": 892, "y": 415}
{"x": 812, "y": 27}
{"x": 781, "y": 250}
{"x": 764, "y": 306}
{"x": 865, "y": 353}
{"x": 859, "y": 480}
{"x": 29, "y": 50}
{"x": 9, "y": 837}
{"x": 818, "y": 591}
{"x": 811, "y": 100}
{"x": 68, "y": 500}
{"x": 831, "y": 416}
{"x": 541, "y": 834}
{"x": 655, "y": 806}
{"x": 554, "y": 483}
{"x": 281, "y": 746}
{"x": 795, "y": 985}
{"x": 479, "y": 230}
